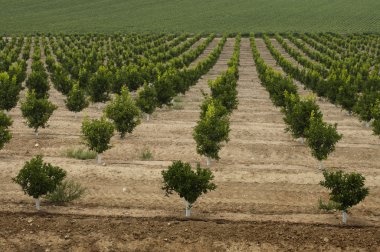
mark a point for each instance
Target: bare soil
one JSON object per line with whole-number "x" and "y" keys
{"x": 268, "y": 183}
{"x": 52, "y": 232}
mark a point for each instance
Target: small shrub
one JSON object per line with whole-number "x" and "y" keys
{"x": 67, "y": 191}
{"x": 146, "y": 155}
{"x": 178, "y": 106}
{"x": 329, "y": 206}
{"x": 177, "y": 99}
{"x": 80, "y": 153}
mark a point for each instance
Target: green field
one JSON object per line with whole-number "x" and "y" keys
{"x": 30, "y": 16}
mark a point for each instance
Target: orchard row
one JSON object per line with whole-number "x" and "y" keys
{"x": 89, "y": 68}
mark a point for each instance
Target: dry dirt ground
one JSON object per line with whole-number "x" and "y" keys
{"x": 268, "y": 183}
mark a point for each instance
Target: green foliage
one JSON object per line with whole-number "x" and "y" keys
{"x": 178, "y": 106}
{"x": 177, "y": 103}
{"x": 130, "y": 76}
{"x": 17, "y": 70}
{"x": 375, "y": 110}
{"x": 36, "y": 111}
{"x": 347, "y": 95}
{"x": 165, "y": 87}
{"x": 38, "y": 66}
{"x": 277, "y": 86}
{"x": 147, "y": 99}
{"x": 330, "y": 205}
{"x": 97, "y": 134}
{"x": 123, "y": 112}
{"x": 275, "y": 83}
{"x": 332, "y": 86}
{"x": 37, "y": 178}
{"x": 5, "y": 134}
{"x": 224, "y": 89}
{"x": 67, "y": 191}
{"x": 347, "y": 189}
{"x": 61, "y": 79}
{"x": 220, "y": 110}
{"x": 83, "y": 78}
{"x": 321, "y": 137}
{"x": 146, "y": 155}
{"x": 81, "y": 153}
{"x": 76, "y": 99}
{"x": 298, "y": 112}
{"x": 50, "y": 62}
{"x": 189, "y": 184}
{"x": 177, "y": 99}
{"x": 9, "y": 92}
{"x": 38, "y": 80}
{"x": 211, "y": 130}
{"x": 364, "y": 105}
{"x": 99, "y": 85}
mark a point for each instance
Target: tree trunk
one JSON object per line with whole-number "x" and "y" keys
{"x": 147, "y": 117}
{"x": 37, "y": 203}
{"x": 302, "y": 140}
{"x": 321, "y": 167}
{"x": 99, "y": 106}
{"x": 188, "y": 209}
{"x": 99, "y": 158}
{"x": 36, "y": 133}
{"x": 208, "y": 161}
{"x": 344, "y": 216}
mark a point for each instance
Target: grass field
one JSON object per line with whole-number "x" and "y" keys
{"x": 29, "y": 16}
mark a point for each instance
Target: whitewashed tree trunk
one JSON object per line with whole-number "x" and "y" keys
{"x": 147, "y": 117}
{"x": 99, "y": 158}
{"x": 321, "y": 166}
{"x": 188, "y": 209}
{"x": 38, "y": 203}
{"x": 36, "y": 133}
{"x": 302, "y": 140}
{"x": 344, "y": 216}
{"x": 208, "y": 161}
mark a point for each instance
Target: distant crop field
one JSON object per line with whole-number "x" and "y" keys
{"x": 343, "y": 16}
